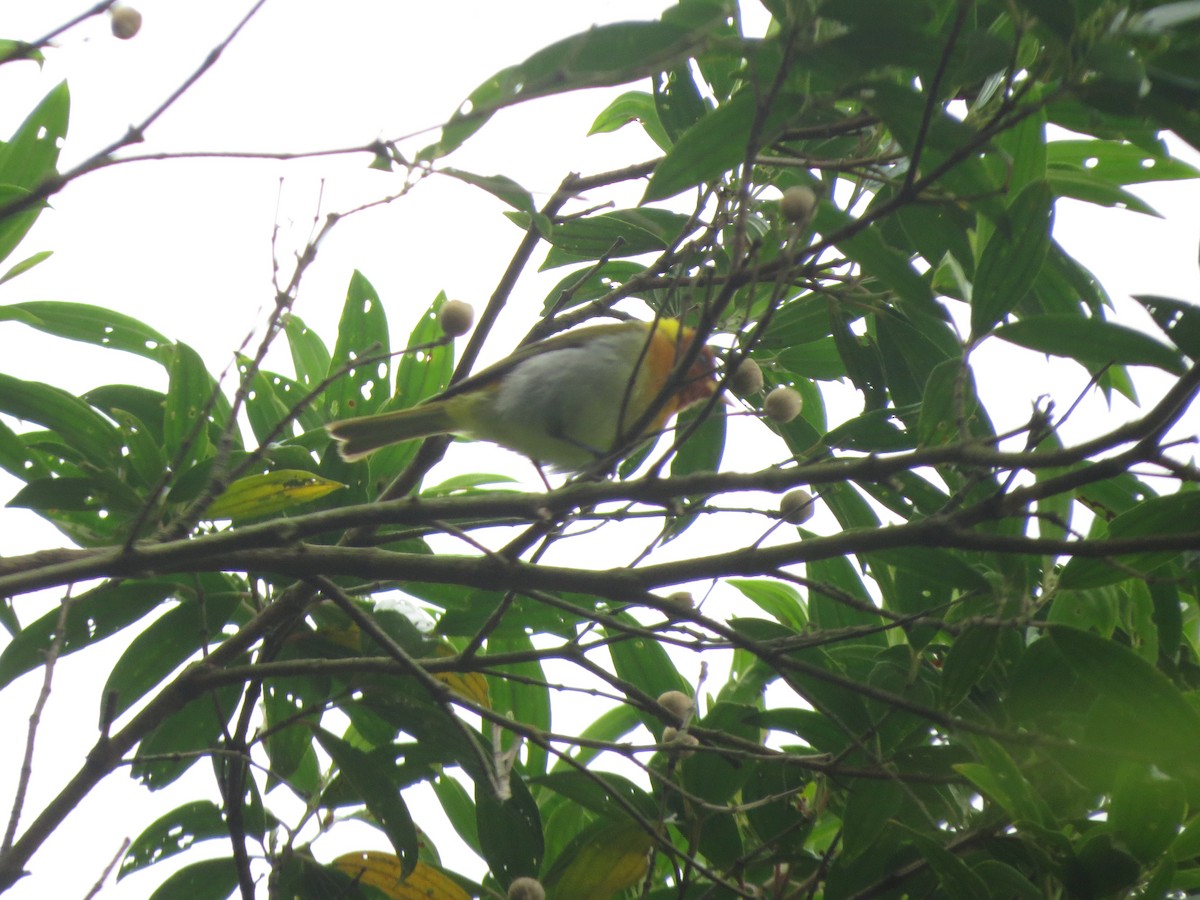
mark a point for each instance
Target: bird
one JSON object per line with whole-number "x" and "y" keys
{"x": 566, "y": 401}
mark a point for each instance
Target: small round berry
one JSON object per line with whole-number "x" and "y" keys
{"x": 456, "y": 318}
{"x": 126, "y": 22}
{"x": 783, "y": 404}
{"x": 798, "y": 204}
{"x": 681, "y": 740}
{"x": 796, "y": 507}
{"x": 679, "y": 704}
{"x": 526, "y": 889}
{"x": 746, "y": 379}
{"x": 681, "y": 600}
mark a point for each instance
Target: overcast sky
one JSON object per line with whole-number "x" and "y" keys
{"x": 186, "y": 246}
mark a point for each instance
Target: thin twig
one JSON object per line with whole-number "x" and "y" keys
{"x": 99, "y": 885}
{"x": 35, "y": 718}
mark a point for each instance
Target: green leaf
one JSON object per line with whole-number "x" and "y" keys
{"x": 1146, "y": 810}
{"x": 773, "y": 795}
{"x": 210, "y": 879}
{"x": 172, "y": 639}
{"x": 300, "y": 877}
{"x": 25, "y": 265}
{"x": 645, "y": 664}
{"x": 706, "y": 151}
{"x": 266, "y": 407}
{"x": 459, "y": 808}
{"x": 599, "y": 792}
{"x": 1058, "y": 15}
{"x": 15, "y": 51}
{"x": 678, "y": 102}
{"x": 1187, "y": 844}
{"x": 701, "y": 451}
{"x": 14, "y": 226}
{"x": 362, "y": 331}
{"x": 469, "y": 484}
{"x": 1167, "y": 615}
{"x": 310, "y": 357}
{"x": 1082, "y": 186}
{"x": 625, "y": 232}
{"x": 419, "y": 375}
{"x": 949, "y": 398}
{"x": 1100, "y": 868}
{"x": 145, "y": 405}
{"x": 1007, "y": 882}
{"x": 814, "y": 360}
{"x": 1117, "y": 162}
{"x": 290, "y": 709}
{"x": 1025, "y": 144}
{"x": 947, "y": 141}
{"x": 51, "y": 495}
{"x": 12, "y": 313}
{"x": 938, "y": 229}
{"x": 956, "y": 877}
{"x": 377, "y": 786}
{"x": 967, "y": 662}
{"x": 527, "y": 700}
{"x": 181, "y": 739}
{"x": 632, "y": 106}
{"x": 607, "y": 727}
{"x": 873, "y": 432}
{"x": 28, "y": 158}
{"x": 93, "y": 616}
{"x": 825, "y": 609}
{"x": 870, "y": 805}
{"x": 863, "y": 363}
{"x": 1180, "y": 321}
{"x": 77, "y": 424}
{"x": 1011, "y": 260}
{"x": 500, "y": 186}
{"x": 1175, "y": 514}
{"x": 713, "y": 776}
{"x": 777, "y": 599}
{"x": 798, "y": 321}
{"x": 1139, "y": 700}
{"x": 720, "y": 840}
{"x": 587, "y": 284}
{"x": 189, "y": 407}
{"x": 510, "y": 831}
{"x": 911, "y": 347}
{"x": 868, "y": 248}
{"x": 95, "y": 325}
{"x": 1091, "y": 341}
{"x": 997, "y": 776}
{"x": 600, "y": 862}
{"x": 602, "y": 56}
{"x": 172, "y": 834}
{"x": 1096, "y": 609}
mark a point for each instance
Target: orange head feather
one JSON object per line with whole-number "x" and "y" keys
{"x": 670, "y": 343}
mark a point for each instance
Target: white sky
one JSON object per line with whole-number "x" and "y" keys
{"x": 186, "y": 246}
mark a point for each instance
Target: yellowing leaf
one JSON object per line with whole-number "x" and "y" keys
{"x": 262, "y": 495}
{"x": 607, "y": 858}
{"x": 471, "y": 685}
{"x": 382, "y": 871}
{"x": 349, "y": 636}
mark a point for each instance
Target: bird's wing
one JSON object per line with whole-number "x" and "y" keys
{"x": 494, "y": 373}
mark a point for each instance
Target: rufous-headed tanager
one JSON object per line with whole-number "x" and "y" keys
{"x": 567, "y": 401}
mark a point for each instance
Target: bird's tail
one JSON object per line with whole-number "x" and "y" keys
{"x": 358, "y": 437}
